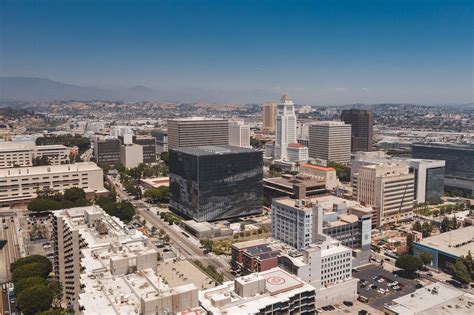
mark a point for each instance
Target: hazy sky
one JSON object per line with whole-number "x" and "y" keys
{"x": 322, "y": 52}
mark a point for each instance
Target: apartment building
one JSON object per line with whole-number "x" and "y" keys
{"x": 274, "y": 291}
{"x": 388, "y": 188}
{"x": 24, "y": 153}
{"x": 330, "y": 141}
{"x": 196, "y": 131}
{"x": 239, "y": 134}
{"x": 94, "y": 250}
{"x": 20, "y": 184}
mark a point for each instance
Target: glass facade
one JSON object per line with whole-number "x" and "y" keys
{"x": 434, "y": 183}
{"x": 216, "y": 182}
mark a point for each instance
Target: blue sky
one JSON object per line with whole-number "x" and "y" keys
{"x": 322, "y": 52}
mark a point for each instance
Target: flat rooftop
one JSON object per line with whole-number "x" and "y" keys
{"x": 49, "y": 169}
{"x": 457, "y": 242}
{"x": 436, "y": 298}
{"x": 214, "y": 150}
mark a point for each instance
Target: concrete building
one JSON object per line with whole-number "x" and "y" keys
{"x": 196, "y": 131}
{"x": 25, "y": 152}
{"x": 94, "y": 250}
{"x": 326, "y": 174}
{"x": 107, "y": 150}
{"x": 285, "y": 133}
{"x": 428, "y": 174}
{"x": 447, "y": 247}
{"x": 215, "y": 182}
{"x": 435, "y": 298}
{"x": 155, "y": 182}
{"x": 330, "y": 141}
{"x": 459, "y": 170}
{"x": 269, "y": 112}
{"x": 239, "y": 134}
{"x": 205, "y": 230}
{"x": 148, "y": 144}
{"x": 362, "y": 125}
{"x": 274, "y": 291}
{"x": 300, "y": 223}
{"x": 131, "y": 154}
{"x": 295, "y": 186}
{"x": 388, "y": 188}
{"x": 21, "y": 184}
{"x": 161, "y": 140}
{"x": 326, "y": 266}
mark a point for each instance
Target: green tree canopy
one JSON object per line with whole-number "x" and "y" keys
{"x": 28, "y": 282}
{"x": 32, "y": 259}
{"x": 426, "y": 258}
{"x": 461, "y": 273}
{"x": 74, "y": 193}
{"x": 409, "y": 263}
{"x": 34, "y": 300}
{"x": 33, "y": 269}
{"x": 160, "y": 194}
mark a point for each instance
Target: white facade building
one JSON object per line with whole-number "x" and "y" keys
{"x": 239, "y": 134}
{"x": 131, "y": 155}
{"x": 285, "y": 127}
{"x": 20, "y": 184}
{"x": 23, "y": 153}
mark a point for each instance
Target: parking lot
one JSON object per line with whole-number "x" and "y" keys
{"x": 375, "y": 286}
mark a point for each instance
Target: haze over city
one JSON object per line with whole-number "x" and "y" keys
{"x": 322, "y": 52}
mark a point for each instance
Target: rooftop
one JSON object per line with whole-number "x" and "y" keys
{"x": 213, "y": 150}
{"x": 436, "y": 298}
{"x": 49, "y": 169}
{"x": 317, "y": 167}
{"x": 457, "y": 242}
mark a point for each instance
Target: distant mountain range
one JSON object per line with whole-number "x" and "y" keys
{"x": 38, "y": 89}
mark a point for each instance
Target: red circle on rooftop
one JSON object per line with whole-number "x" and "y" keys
{"x": 276, "y": 280}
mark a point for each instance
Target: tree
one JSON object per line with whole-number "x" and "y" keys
{"x": 445, "y": 225}
{"x": 164, "y": 157}
{"x": 461, "y": 273}
{"x": 454, "y": 223}
{"x": 416, "y": 226}
{"x": 41, "y": 161}
{"x": 409, "y": 263}
{"x": 74, "y": 193}
{"x": 54, "y": 311}
{"x": 426, "y": 229}
{"x": 343, "y": 172}
{"x": 409, "y": 242}
{"x": 426, "y": 258}
{"x": 22, "y": 284}
{"x": 160, "y": 194}
{"x": 41, "y": 302}
{"x": 33, "y": 269}
{"x": 32, "y": 259}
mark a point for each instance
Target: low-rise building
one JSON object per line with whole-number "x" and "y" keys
{"x": 205, "y": 230}
{"x": 155, "y": 182}
{"x": 436, "y": 298}
{"x": 326, "y": 174}
{"x": 447, "y": 247}
{"x": 295, "y": 186}
{"x": 274, "y": 291}
{"x": 21, "y": 184}
{"x": 24, "y": 153}
{"x": 253, "y": 256}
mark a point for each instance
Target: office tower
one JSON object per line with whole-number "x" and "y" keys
{"x": 107, "y": 150}
{"x": 21, "y": 184}
{"x": 459, "y": 170}
{"x": 239, "y": 134}
{"x": 195, "y": 131}
{"x": 215, "y": 182}
{"x": 362, "y": 123}
{"x": 285, "y": 127}
{"x": 269, "y": 112}
{"x": 330, "y": 141}
{"x": 95, "y": 250}
{"x": 161, "y": 137}
{"x": 274, "y": 291}
{"x": 24, "y": 153}
{"x": 428, "y": 174}
{"x": 148, "y": 144}
{"x": 389, "y": 188}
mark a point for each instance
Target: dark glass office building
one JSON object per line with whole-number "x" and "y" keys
{"x": 210, "y": 183}
{"x": 362, "y": 128}
{"x": 107, "y": 151}
{"x": 459, "y": 170}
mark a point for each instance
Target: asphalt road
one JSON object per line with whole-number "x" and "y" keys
{"x": 186, "y": 248}
{"x": 11, "y": 250}
{"x": 6, "y": 307}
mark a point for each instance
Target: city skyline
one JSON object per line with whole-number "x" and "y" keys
{"x": 340, "y": 52}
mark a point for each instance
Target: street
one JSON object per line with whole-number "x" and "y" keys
{"x": 10, "y": 252}
{"x": 6, "y": 306}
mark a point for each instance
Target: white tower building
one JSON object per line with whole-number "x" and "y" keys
{"x": 285, "y": 127}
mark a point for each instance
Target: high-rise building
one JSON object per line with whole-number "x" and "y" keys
{"x": 428, "y": 174}
{"x": 161, "y": 137}
{"x": 215, "y": 182}
{"x": 131, "y": 155}
{"x": 239, "y": 134}
{"x": 107, "y": 150}
{"x": 330, "y": 141}
{"x": 95, "y": 250}
{"x": 269, "y": 112}
{"x": 148, "y": 144}
{"x": 362, "y": 123}
{"x": 22, "y": 183}
{"x": 196, "y": 131}
{"x": 388, "y": 188}
{"x": 285, "y": 127}
{"x": 459, "y": 170}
